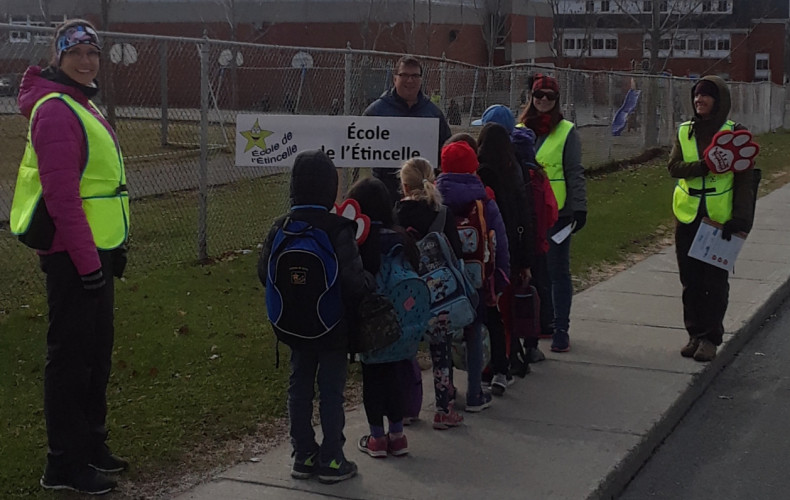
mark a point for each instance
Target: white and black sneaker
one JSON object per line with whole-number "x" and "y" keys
{"x": 499, "y": 384}
{"x": 88, "y": 481}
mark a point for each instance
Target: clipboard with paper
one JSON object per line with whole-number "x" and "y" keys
{"x": 709, "y": 247}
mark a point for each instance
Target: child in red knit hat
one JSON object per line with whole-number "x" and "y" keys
{"x": 479, "y": 222}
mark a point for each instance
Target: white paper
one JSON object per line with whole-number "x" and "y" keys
{"x": 711, "y": 248}
{"x": 563, "y": 233}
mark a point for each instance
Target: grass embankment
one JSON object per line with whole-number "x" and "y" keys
{"x": 194, "y": 358}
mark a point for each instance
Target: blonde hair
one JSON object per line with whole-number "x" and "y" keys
{"x": 417, "y": 175}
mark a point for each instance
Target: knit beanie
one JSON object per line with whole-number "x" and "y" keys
{"x": 545, "y": 82}
{"x": 707, "y": 87}
{"x": 459, "y": 158}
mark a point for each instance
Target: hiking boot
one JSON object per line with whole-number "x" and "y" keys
{"x": 480, "y": 403}
{"x": 337, "y": 471}
{"x": 690, "y": 348}
{"x": 376, "y": 447}
{"x": 534, "y": 355}
{"x": 304, "y": 467}
{"x": 444, "y": 420}
{"x": 398, "y": 446}
{"x": 706, "y": 351}
{"x": 561, "y": 341}
{"x": 499, "y": 384}
{"x": 108, "y": 463}
{"x": 88, "y": 481}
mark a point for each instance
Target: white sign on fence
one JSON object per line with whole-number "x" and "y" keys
{"x": 350, "y": 141}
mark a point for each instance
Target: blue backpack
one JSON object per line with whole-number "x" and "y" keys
{"x": 410, "y": 297}
{"x": 453, "y": 297}
{"x": 303, "y": 298}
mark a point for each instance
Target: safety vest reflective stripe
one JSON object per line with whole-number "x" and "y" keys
{"x": 715, "y": 188}
{"x": 102, "y": 183}
{"x": 549, "y": 155}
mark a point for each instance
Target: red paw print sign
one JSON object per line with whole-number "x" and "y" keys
{"x": 731, "y": 151}
{"x": 350, "y": 210}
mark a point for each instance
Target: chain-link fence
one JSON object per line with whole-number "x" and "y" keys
{"x": 173, "y": 104}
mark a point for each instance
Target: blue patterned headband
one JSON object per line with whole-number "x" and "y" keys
{"x": 76, "y": 35}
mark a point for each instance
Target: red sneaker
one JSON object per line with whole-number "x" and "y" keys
{"x": 398, "y": 446}
{"x": 443, "y": 421}
{"x": 375, "y": 447}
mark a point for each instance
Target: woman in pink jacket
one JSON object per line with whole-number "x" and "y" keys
{"x": 71, "y": 204}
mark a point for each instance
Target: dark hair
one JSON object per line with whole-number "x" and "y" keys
{"x": 496, "y": 150}
{"x": 53, "y": 48}
{"x": 530, "y": 111}
{"x": 375, "y": 202}
{"x": 462, "y": 136}
{"x": 408, "y": 60}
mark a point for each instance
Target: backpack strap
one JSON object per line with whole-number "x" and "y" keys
{"x": 439, "y": 221}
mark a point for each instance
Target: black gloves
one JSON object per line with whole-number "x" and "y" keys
{"x": 93, "y": 281}
{"x": 119, "y": 257}
{"x": 733, "y": 226}
{"x": 580, "y": 218}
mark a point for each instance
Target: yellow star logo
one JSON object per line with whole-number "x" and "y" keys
{"x": 256, "y": 137}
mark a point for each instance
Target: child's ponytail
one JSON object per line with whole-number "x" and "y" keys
{"x": 417, "y": 175}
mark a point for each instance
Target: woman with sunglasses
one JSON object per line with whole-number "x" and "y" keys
{"x": 558, "y": 151}
{"x": 71, "y": 204}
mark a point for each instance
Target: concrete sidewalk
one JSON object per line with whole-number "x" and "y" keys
{"x": 583, "y": 422}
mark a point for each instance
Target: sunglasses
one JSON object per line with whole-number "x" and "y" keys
{"x": 540, "y": 94}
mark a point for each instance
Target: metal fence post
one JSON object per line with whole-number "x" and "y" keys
{"x": 474, "y": 95}
{"x": 443, "y": 84}
{"x": 203, "y": 174}
{"x": 347, "y": 89}
{"x": 163, "y": 89}
{"x": 513, "y": 87}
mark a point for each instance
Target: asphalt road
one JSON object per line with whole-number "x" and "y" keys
{"x": 735, "y": 441}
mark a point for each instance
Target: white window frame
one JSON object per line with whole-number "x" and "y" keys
{"x": 603, "y": 51}
{"x": 719, "y": 45}
{"x": 762, "y": 74}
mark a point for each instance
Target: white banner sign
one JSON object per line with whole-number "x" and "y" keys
{"x": 349, "y": 141}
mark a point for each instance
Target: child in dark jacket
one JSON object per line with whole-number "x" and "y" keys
{"x": 500, "y": 170}
{"x": 383, "y": 392}
{"x": 417, "y": 211}
{"x": 461, "y": 188}
{"x": 313, "y": 190}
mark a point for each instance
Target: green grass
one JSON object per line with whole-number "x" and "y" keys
{"x": 194, "y": 356}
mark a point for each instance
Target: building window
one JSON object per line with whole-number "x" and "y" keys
{"x": 761, "y": 61}
{"x": 605, "y": 6}
{"x": 706, "y": 6}
{"x": 692, "y": 45}
{"x": 530, "y": 28}
{"x": 716, "y": 45}
{"x": 611, "y": 44}
{"x": 663, "y": 6}
{"x": 723, "y": 7}
{"x": 647, "y": 6}
{"x": 762, "y": 68}
{"x": 568, "y": 43}
{"x": 590, "y": 6}
{"x": 597, "y": 44}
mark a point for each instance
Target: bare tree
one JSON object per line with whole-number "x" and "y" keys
{"x": 494, "y": 21}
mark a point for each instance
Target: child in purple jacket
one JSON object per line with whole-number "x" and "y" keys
{"x": 461, "y": 188}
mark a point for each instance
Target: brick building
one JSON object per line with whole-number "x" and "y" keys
{"x": 737, "y": 39}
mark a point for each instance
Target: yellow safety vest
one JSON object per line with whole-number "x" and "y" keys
{"x": 716, "y": 189}
{"x": 102, "y": 184}
{"x": 549, "y": 155}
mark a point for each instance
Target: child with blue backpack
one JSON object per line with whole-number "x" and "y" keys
{"x": 463, "y": 191}
{"x": 314, "y": 279}
{"x": 391, "y": 255}
{"x": 418, "y": 211}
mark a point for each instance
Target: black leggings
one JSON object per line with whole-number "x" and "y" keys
{"x": 383, "y": 393}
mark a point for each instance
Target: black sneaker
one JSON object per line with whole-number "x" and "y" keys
{"x": 87, "y": 481}
{"x": 336, "y": 471}
{"x": 305, "y": 467}
{"x": 535, "y": 355}
{"x": 109, "y": 463}
{"x": 519, "y": 366}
